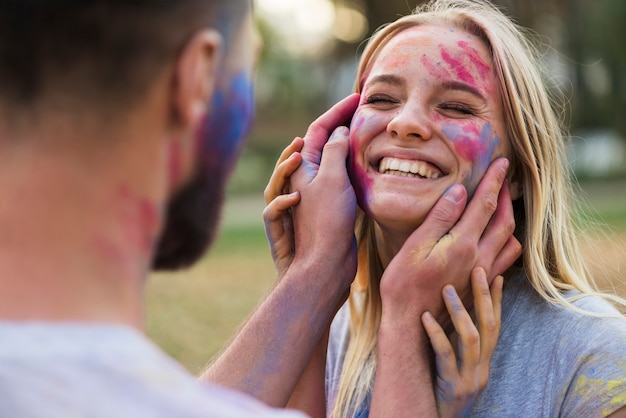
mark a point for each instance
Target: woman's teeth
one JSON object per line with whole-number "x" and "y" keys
{"x": 408, "y": 168}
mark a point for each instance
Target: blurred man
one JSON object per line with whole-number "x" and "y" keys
{"x": 119, "y": 122}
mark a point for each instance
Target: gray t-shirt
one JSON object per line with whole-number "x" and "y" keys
{"x": 77, "y": 370}
{"x": 549, "y": 361}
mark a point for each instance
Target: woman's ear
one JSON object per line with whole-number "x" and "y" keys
{"x": 516, "y": 190}
{"x": 195, "y": 77}
{"x": 515, "y": 186}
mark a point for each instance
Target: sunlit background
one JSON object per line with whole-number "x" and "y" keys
{"x": 307, "y": 27}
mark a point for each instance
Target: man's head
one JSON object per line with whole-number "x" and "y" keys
{"x": 98, "y": 60}
{"x": 106, "y": 49}
{"x": 194, "y": 211}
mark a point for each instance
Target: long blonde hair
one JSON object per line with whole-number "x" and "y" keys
{"x": 551, "y": 256}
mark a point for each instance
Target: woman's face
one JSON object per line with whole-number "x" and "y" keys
{"x": 430, "y": 116}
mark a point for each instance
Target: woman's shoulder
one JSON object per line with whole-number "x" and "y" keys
{"x": 520, "y": 297}
{"x": 525, "y": 314}
{"x": 585, "y": 354}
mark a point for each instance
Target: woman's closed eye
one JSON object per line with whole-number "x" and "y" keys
{"x": 457, "y": 108}
{"x": 380, "y": 99}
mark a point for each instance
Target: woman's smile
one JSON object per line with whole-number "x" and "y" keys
{"x": 409, "y": 168}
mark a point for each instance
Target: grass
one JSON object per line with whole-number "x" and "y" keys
{"x": 192, "y": 314}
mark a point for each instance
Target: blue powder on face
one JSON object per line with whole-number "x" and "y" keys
{"x": 490, "y": 143}
{"x": 229, "y": 120}
{"x": 487, "y": 142}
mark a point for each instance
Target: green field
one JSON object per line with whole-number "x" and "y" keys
{"x": 192, "y": 314}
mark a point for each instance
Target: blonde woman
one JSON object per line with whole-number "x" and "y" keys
{"x": 444, "y": 92}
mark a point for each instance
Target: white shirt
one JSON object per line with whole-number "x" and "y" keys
{"x": 83, "y": 370}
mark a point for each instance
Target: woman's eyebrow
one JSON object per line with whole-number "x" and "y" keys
{"x": 386, "y": 79}
{"x": 458, "y": 85}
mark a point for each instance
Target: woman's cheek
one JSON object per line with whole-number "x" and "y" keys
{"x": 478, "y": 146}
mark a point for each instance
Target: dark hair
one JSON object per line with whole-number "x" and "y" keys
{"x": 192, "y": 219}
{"x": 105, "y": 51}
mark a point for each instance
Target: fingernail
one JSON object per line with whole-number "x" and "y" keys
{"x": 428, "y": 317}
{"x": 504, "y": 164}
{"x": 453, "y": 298}
{"x": 479, "y": 272}
{"x": 339, "y": 131}
{"x": 450, "y": 292}
{"x": 454, "y": 193}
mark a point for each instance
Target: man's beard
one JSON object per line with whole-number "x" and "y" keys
{"x": 191, "y": 222}
{"x": 193, "y": 213}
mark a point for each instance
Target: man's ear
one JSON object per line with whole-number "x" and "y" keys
{"x": 195, "y": 77}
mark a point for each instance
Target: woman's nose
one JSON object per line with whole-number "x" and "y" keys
{"x": 410, "y": 123}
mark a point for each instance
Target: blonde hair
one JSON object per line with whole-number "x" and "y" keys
{"x": 551, "y": 258}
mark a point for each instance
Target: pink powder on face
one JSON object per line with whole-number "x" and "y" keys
{"x": 457, "y": 66}
{"x": 358, "y": 175}
{"x": 437, "y": 117}
{"x": 467, "y": 144}
{"x": 435, "y": 70}
{"x": 468, "y": 148}
{"x": 483, "y": 68}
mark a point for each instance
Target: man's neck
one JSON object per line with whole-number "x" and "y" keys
{"x": 76, "y": 237}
